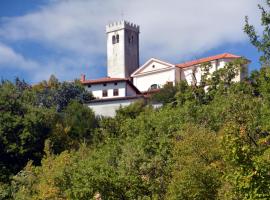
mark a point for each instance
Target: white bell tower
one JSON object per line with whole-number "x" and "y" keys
{"x": 122, "y": 49}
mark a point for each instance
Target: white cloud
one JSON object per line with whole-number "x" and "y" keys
{"x": 65, "y": 68}
{"x": 171, "y": 30}
{"x": 9, "y": 58}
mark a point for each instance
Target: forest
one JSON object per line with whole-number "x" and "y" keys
{"x": 201, "y": 144}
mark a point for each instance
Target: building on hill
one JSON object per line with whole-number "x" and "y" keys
{"x": 217, "y": 62}
{"x": 128, "y": 82}
{"x": 155, "y": 73}
{"x": 110, "y": 93}
{"x": 107, "y": 88}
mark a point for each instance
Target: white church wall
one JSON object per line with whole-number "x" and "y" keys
{"x": 242, "y": 74}
{"x": 187, "y": 73}
{"x": 97, "y": 89}
{"x": 143, "y": 82}
{"x": 154, "y": 66}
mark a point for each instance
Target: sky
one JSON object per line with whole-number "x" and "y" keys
{"x": 67, "y": 38}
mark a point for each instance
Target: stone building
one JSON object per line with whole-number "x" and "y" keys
{"x": 127, "y": 81}
{"x": 122, "y": 49}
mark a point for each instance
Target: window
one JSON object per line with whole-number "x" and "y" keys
{"x": 115, "y": 92}
{"x": 113, "y": 39}
{"x": 89, "y": 86}
{"x": 153, "y": 87}
{"x": 194, "y": 76}
{"x": 153, "y": 66}
{"x": 104, "y": 93}
{"x": 217, "y": 64}
{"x": 115, "y": 83}
{"x": 117, "y": 38}
{"x": 130, "y": 39}
{"x": 105, "y": 84}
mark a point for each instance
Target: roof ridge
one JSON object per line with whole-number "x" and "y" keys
{"x": 207, "y": 59}
{"x": 104, "y": 79}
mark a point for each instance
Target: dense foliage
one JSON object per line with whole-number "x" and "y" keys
{"x": 199, "y": 145}
{"x": 262, "y": 42}
{"x": 30, "y": 115}
{"x": 210, "y": 140}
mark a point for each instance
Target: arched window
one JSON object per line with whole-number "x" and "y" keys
{"x": 130, "y": 39}
{"x": 194, "y": 76}
{"x": 113, "y": 39}
{"x": 117, "y": 38}
{"x": 153, "y": 87}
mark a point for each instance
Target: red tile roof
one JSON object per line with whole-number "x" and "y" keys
{"x": 103, "y": 80}
{"x": 110, "y": 80}
{"x": 208, "y": 59}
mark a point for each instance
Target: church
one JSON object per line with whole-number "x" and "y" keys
{"x": 127, "y": 81}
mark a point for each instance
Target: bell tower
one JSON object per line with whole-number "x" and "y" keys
{"x": 122, "y": 49}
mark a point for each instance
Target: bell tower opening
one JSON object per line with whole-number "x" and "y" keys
{"x": 122, "y": 49}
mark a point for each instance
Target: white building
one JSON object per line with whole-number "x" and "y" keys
{"x": 107, "y": 88}
{"x": 127, "y": 81}
{"x": 110, "y": 94}
{"x": 156, "y": 73}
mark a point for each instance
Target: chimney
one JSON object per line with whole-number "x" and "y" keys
{"x": 82, "y": 77}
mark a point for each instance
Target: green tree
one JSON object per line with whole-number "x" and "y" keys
{"x": 131, "y": 111}
{"x": 197, "y": 165}
{"x": 23, "y": 129}
{"x": 261, "y": 42}
{"x": 55, "y": 94}
{"x": 74, "y": 125}
{"x": 166, "y": 94}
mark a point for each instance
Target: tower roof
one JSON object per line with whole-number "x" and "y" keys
{"x": 122, "y": 25}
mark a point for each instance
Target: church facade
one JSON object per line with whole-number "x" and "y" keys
{"x": 127, "y": 81}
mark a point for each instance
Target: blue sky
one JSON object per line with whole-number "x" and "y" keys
{"x": 67, "y": 38}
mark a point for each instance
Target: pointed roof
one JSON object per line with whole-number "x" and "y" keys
{"x": 140, "y": 69}
{"x": 208, "y": 59}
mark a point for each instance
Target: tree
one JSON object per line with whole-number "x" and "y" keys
{"x": 23, "y": 129}
{"x": 196, "y": 169}
{"x": 55, "y": 94}
{"x": 74, "y": 125}
{"x": 262, "y": 43}
{"x": 28, "y": 117}
{"x": 247, "y": 163}
{"x": 166, "y": 94}
{"x": 131, "y": 111}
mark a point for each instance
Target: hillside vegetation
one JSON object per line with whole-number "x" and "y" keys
{"x": 199, "y": 145}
